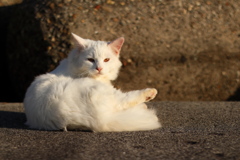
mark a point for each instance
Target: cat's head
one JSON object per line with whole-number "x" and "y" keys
{"x": 96, "y": 59}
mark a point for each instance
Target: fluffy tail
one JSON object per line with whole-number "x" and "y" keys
{"x": 133, "y": 119}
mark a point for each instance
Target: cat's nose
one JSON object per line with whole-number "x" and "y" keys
{"x": 99, "y": 69}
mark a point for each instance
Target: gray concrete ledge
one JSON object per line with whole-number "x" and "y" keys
{"x": 191, "y": 130}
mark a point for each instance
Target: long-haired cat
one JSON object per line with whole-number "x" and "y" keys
{"x": 78, "y": 94}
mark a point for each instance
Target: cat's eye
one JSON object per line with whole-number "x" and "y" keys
{"x": 91, "y": 59}
{"x": 106, "y": 59}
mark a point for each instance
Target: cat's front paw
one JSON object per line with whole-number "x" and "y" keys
{"x": 150, "y": 94}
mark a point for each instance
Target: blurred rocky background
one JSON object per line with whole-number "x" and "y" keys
{"x": 188, "y": 49}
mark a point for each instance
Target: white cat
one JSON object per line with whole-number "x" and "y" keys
{"x": 78, "y": 94}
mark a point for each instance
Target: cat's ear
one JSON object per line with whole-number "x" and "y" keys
{"x": 116, "y": 45}
{"x": 79, "y": 42}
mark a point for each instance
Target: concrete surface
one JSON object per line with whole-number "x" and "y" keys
{"x": 191, "y": 130}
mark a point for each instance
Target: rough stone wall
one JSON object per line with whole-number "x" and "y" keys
{"x": 188, "y": 50}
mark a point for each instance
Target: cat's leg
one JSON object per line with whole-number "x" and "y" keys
{"x": 65, "y": 129}
{"x": 133, "y": 98}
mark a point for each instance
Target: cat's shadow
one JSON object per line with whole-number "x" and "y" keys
{"x": 13, "y": 120}
{"x": 16, "y": 120}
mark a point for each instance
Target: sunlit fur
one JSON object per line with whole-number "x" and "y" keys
{"x": 78, "y": 96}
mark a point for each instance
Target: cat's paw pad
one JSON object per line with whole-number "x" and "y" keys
{"x": 150, "y": 94}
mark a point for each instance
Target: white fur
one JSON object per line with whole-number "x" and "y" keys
{"x": 78, "y": 96}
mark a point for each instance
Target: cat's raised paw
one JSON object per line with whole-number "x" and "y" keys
{"x": 150, "y": 94}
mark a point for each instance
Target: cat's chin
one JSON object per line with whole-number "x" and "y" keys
{"x": 100, "y": 77}
{"x": 96, "y": 75}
